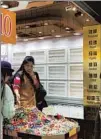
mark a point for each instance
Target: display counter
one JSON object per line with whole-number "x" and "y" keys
{"x": 20, "y": 135}
{"x": 33, "y": 124}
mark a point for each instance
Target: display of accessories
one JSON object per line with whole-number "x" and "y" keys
{"x": 37, "y": 123}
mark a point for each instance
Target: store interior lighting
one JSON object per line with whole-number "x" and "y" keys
{"x": 40, "y": 32}
{"x": 76, "y": 34}
{"x": 4, "y": 6}
{"x": 87, "y": 19}
{"x": 46, "y": 24}
{"x": 52, "y": 30}
{"x": 78, "y": 14}
{"x": 25, "y": 40}
{"x": 67, "y": 28}
{"x": 53, "y": 24}
{"x": 74, "y": 9}
{"x": 9, "y": 4}
{"x": 27, "y": 26}
{"x": 57, "y": 36}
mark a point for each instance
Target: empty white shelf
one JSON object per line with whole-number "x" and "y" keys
{"x": 39, "y": 56}
{"x": 75, "y": 71}
{"x": 57, "y": 56}
{"x": 76, "y": 55}
{"x": 75, "y": 89}
{"x": 18, "y": 57}
{"x": 57, "y": 72}
{"x": 57, "y": 88}
{"x": 41, "y": 69}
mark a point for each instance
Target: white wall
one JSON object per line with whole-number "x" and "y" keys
{"x": 8, "y": 49}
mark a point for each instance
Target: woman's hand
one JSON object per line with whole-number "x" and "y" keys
{"x": 36, "y": 83}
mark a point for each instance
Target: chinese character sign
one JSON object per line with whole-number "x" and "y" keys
{"x": 92, "y": 65}
{"x": 7, "y": 26}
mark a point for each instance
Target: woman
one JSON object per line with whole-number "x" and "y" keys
{"x": 24, "y": 84}
{"x": 40, "y": 94}
{"x": 7, "y": 97}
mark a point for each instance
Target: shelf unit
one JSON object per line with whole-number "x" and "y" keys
{"x": 41, "y": 69}
{"x": 57, "y": 72}
{"x": 39, "y": 56}
{"x": 75, "y": 55}
{"x": 18, "y": 57}
{"x": 57, "y": 88}
{"x": 75, "y": 89}
{"x": 75, "y": 72}
{"x": 57, "y": 56}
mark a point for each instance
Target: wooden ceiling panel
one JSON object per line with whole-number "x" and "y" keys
{"x": 52, "y": 20}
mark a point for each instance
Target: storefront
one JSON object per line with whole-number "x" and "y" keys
{"x": 53, "y": 34}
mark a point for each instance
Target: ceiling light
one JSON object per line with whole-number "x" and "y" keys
{"x": 67, "y": 28}
{"x": 68, "y": 8}
{"x": 45, "y": 23}
{"x": 87, "y": 20}
{"x": 74, "y": 9}
{"x": 78, "y": 13}
{"x": 4, "y": 6}
{"x": 40, "y": 32}
{"x": 27, "y": 26}
{"x": 77, "y": 33}
{"x": 25, "y": 40}
{"x": 41, "y": 38}
{"x": 52, "y": 30}
{"x": 68, "y": 31}
{"x": 57, "y": 36}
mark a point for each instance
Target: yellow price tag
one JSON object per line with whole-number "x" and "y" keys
{"x": 72, "y": 132}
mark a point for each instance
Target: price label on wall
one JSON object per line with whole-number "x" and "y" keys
{"x": 7, "y": 26}
{"x": 92, "y": 65}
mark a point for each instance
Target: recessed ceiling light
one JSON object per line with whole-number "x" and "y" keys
{"x": 67, "y": 28}
{"x": 45, "y": 23}
{"x": 41, "y": 38}
{"x": 52, "y": 30}
{"x": 68, "y": 31}
{"x": 27, "y": 26}
{"x": 74, "y": 9}
{"x": 57, "y": 36}
{"x": 68, "y": 8}
{"x": 87, "y": 20}
{"x": 77, "y": 33}
{"x": 4, "y": 6}
{"x": 25, "y": 40}
{"x": 40, "y": 32}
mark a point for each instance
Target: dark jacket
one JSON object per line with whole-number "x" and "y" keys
{"x": 40, "y": 95}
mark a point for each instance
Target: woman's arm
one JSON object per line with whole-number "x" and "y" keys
{"x": 16, "y": 87}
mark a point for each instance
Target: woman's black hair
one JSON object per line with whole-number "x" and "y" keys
{"x": 37, "y": 76}
{"x": 6, "y": 72}
{"x": 23, "y": 72}
{"x": 2, "y": 85}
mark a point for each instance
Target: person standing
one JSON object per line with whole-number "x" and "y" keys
{"x": 24, "y": 84}
{"x": 7, "y": 97}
